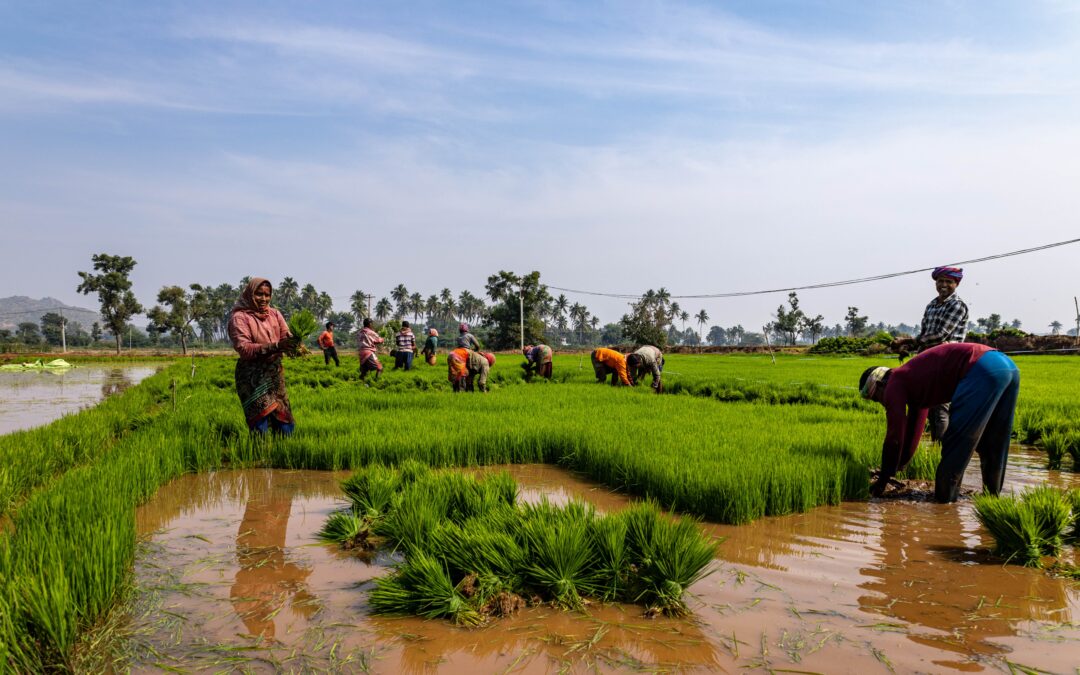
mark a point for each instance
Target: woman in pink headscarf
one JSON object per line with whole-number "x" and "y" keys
{"x": 260, "y": 336}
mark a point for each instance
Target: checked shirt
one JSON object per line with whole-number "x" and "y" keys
{"x": 943, "y": 322}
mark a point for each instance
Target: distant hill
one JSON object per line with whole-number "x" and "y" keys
{"x": 19, "y": 308}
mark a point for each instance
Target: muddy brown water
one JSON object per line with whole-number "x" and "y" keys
{"x": 230, "y": 577}
{"x": 32, "y": 398}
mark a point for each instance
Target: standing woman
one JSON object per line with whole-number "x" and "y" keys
{"x": 430, "y": 346}
{"x": 260, "y": 336}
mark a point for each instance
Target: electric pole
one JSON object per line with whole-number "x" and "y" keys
{"x": 63, "y": 332}
{"x": 521, "y": 315}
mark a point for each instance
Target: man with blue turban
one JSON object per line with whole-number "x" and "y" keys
{"x": 944, "y": 321}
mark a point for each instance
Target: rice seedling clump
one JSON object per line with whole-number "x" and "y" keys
{"x": 1027, "y": 527}
{"x": 473, "y": 552}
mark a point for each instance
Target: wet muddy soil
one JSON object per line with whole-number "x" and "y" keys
{"x": 230, "y": 577}
{"x": 33, "y": 398}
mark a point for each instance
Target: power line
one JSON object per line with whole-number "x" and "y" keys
{"x": 828, "y": 284}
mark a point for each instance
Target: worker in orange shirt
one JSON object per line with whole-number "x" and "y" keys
{"x": 608, "y": 361}
{"x": 326, "y": 341}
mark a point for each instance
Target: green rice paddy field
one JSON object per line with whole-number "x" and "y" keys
{"x": 733, "y": 438}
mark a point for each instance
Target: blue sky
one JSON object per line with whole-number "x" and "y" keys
{"x": 705, "y": 147}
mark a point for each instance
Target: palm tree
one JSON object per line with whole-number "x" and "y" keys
{"x": 383, "y": 309}
{"x": 702, "y": 318}
{"x": 416, "y": 305}
{"x": 323, "y": 304}
{"x": 579, "y": 314}
{"x": 400, "y": 295}
{"x": 447, "y": 308}
{"x": 358, "y": 305}
{"x": 431, "y": 308}
{"x": 309, "y": 299}
{"x": 287, "y": 294}
{"x": 684, "y": 316}
{"x": 1055, "y": 328}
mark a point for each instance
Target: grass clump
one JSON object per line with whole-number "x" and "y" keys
{"x": 1027, "y": 527}
{"x": 472, "y": 552}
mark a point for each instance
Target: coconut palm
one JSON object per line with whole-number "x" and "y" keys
{"x": 288, "y": 292}
{"x": 431, "y": 308}
{"x": 702, "y": 318}
{"x": 1055, "y": 328}
{"x": 323, "y": 305}
{"x": 383, "y": 309}
{"x": 416, "y": 305}
{"x": 358, "y": 304}
{"x": 400, "y": 296}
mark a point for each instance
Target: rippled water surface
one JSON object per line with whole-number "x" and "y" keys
{"x": 32, "y": 398}
{"x": 230, "y": 576}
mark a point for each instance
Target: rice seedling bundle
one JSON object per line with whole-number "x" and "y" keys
{"x": 302, "y": 325}
{"x": 1027, "y": 527}
{"x": 562, "y": 554}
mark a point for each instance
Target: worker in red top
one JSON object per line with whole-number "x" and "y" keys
{"x": 326, "y": 341}
{"x": 981, "y": 383}
{"x": 608, "y": 361}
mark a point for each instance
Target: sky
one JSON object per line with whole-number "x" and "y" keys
{"x": 704, "y": 147}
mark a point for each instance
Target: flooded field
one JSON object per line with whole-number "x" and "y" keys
{"x": 35, "y": 397}
{"x": 230, "y": 576}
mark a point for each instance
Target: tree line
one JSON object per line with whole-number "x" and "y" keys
{"x": 200, "y": 312}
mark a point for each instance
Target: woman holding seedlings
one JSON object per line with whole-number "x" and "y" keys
{"x": 981, "y": 383}
{"x": 537, "y": 361}
{"x": 260, "y": 336}
{"x": 464, "y": 365}
{"x": 368, "y": 341}
{"x": 648, "y": 359}
{"x": 610, "y": 362}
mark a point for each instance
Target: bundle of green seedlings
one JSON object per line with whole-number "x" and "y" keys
{"x": 302, "y": 325}
{"x": 473, "y": 552}
{"x": 1057, "y": 444}
{"x": 1031, "y": 526}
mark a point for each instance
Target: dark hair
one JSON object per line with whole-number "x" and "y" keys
{"x": 404, "y": 324}
{"x": 632, "y": 359}
{"x": 329, "y": 324}
{"x": 367, "y": 322}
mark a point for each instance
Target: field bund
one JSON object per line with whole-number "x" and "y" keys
{"x": 735, "y": 439}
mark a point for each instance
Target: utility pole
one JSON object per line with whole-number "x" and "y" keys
{"x": 63, "y": 332}
{"x": 1077, "y": 305}
{"x": 129, "y": 337}
{"x": 521, "y": 315}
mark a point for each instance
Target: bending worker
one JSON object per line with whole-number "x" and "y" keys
{"x": 608, "y": 361}
{"x": 465, "y": 365}
{"x": 944, "y": 320}
{"x": 648, "y": 359}
{"x": 982, "y": 384}
{"x": 537, "y": 361}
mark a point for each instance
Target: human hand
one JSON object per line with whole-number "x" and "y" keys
{"x": 879, "y": 486}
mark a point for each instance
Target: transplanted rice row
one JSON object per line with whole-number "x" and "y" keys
{"x": 472, "y": 551}
{"x": 68, "y": 490}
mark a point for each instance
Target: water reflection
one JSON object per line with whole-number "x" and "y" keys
{"x": 33, "y": 398}
{"x": 851, "y": 584}
{"x": 266, "y": 578}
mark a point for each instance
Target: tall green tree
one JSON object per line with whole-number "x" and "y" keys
{"x": 788, "y": 320}
{"x": 28, "y": 334}
{"x": 118, "y": 303}
{"x": 182, "y": 310}
{"x": 504, "y": 288}
{"x": 702, "y": 318}
{"x": 52, "y": 328}
{"x": 383, "y": 309}
{"x": 648, "y": 319}
{"x": 854, "y": 322}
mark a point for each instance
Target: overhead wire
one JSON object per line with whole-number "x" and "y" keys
{"x": 827, "y": 284}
